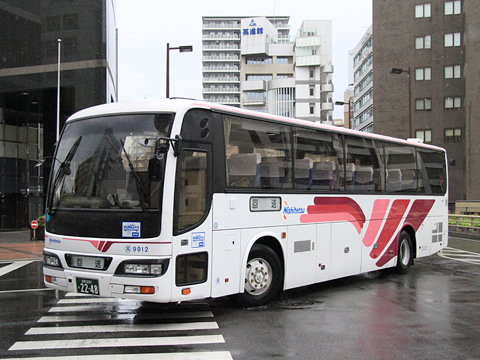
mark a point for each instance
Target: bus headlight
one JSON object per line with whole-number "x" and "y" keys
{"x": 142, "y": 267}
{"x": 51, "y": 260}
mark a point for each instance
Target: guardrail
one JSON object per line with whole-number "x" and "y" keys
{"x": 464, "y": 223}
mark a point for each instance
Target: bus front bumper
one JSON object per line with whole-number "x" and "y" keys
{"x": 154, "y": 289}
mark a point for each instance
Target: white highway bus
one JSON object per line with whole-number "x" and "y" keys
{"x": 175, "y": 200}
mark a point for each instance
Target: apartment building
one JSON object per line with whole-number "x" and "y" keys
{"x": 254, "y": 63}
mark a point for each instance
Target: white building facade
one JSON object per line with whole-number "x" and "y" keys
{"x": 253, "y": 63}
{"x": 361, "y": 72}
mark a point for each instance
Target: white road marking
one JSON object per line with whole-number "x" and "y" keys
{"x": 14, "y": 266}
{"x": 118, "y": 342}
{"x": 185, "y": 315}
{"x": 120, "y": 328}
{"x": 206, "y": 355}
{"x": 460, "y": 255}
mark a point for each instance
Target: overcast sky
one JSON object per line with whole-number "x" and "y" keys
{"x": 145, "y": 27}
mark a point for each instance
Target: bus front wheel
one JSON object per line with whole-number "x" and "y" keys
{"x": 263, "y": 277}
{"x": 405, "y": 253}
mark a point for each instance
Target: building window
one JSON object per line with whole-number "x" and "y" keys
{"x": 52, "y": 23}
{"x": 70, "y": 22}
{"x": 454, "y": 39}
{"x": 453, "y": 135}
{"x": 423, "y": 104}
{"x": 312, "y": 109}
{"x": 423, "y": 10}
{"x": 312, "y": 73}
{"x": 425, "y": 135}
{"x": 423, "y": 42}
{"x": 453, "y": 72}
{"x": 70, "y": 46}
{"x": 422, "y": 74}
{"x": 453, "y": 103}
{"x": 453, "y": 7}
{"x": 282, "y": 60}
{"x": 312, "y": 91}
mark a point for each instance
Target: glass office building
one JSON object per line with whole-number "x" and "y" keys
{"x": 28, "y": 89}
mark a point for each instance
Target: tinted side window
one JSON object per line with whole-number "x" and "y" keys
{"x": 432, "y": 172}
{"x": 318, "y": 160}
{"x": 193, "y": 191}
{"x": 258, "y": 154}
{"x": 364, "y": 167}
{"x": 401, "y": 168}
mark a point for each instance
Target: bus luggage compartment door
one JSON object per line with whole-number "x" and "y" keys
{"x": 225, "y": 262}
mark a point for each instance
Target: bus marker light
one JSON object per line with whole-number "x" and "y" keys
{"x": 131, "y": 289}
{"x": 187, "y": 291}
{"x": 147, "y": 290}
{"x": 226, "y": 280}
{"x": 284, "y": 235}
{"x": 48, "y": 278}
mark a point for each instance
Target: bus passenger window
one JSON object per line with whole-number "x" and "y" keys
{"x": 364, "y": 158}
{"x": 318, "y": 160}
{"x": 401, "y": 168}
{"x": 257, "y": 154}
{"x": 192, "y": 195}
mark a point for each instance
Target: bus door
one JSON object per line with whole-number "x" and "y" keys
{"x": 192, "y": 230}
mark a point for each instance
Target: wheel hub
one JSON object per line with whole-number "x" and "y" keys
{"x": 257, "y": 276}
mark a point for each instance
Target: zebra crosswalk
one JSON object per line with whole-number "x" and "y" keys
{"x": 96, "y": 327}
{"x": 460, "y": 255}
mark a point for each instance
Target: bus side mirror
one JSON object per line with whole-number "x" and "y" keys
{"x": 156, "y": 166}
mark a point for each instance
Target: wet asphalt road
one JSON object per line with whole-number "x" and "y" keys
{"x": 430, "y": 313}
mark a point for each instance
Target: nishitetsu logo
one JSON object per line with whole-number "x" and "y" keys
{"x": 382, "y": 229}
{"x": 287, "y": 210}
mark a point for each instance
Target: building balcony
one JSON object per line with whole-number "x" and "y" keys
{"x": 252, "y": 102}
{"x": 327, "y": 88}
{"x": 224, "y": 100}
{"x": 221, "y": 26}
{"x": 221, "y": 90}
{"x": 309, "y": 60}
{"x": 254, "y": 85}
{"x": 221, "y": 37}
{"x": 230, "y": 47}
{"x": 221, "y": 58}
{"x": 223, "y": 79}
{"x": 221, "y": 68}
{"x": 327, "y": 69}
{"x": 327, "y": 106}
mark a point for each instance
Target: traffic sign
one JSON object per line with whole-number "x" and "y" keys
{"x": 34, "y": 224}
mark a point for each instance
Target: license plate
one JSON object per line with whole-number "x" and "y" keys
{"x": 88, "y": 286}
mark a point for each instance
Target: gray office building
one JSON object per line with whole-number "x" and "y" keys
{"x": 30, "y": 30}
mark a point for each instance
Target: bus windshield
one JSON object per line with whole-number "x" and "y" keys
{"x": 103, "y": 163}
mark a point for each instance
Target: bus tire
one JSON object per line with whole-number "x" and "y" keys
{"x": 405, "y": 253}
{"x": 263, "y": 277}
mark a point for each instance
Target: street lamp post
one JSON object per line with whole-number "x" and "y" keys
{"x": 350, "y": 125}
{"x": 398, "y": 71}
{"x": 184, "y": 48}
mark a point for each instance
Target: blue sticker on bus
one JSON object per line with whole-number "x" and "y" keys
{"x": 198, "y": 240}
{"x": 131, "y": 229}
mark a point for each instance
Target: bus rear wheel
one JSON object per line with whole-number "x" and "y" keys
{"x": 405, "y": 253}
{"x": 263, "y": 277}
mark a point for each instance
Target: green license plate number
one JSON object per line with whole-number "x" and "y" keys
{"x": 88, "y": 286}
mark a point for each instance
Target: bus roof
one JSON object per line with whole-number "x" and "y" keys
{"x": 182, "y": 105}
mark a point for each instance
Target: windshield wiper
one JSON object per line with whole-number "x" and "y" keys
{"x": 63, "y": 170}
{"x": 142, "y": 194}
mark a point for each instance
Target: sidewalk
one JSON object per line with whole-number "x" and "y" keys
{"x": 16, "y": 245}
